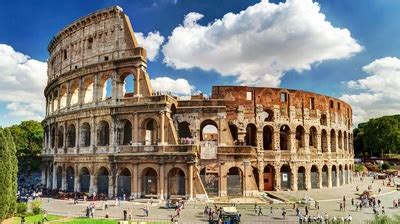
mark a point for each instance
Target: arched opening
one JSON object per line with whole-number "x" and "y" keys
{"x": 75, "y": 94}
{"x": 125, "y": 132}
{"x": 60, "y": 137}
{"x": 234, "y": 132}
{"x": 300, "y": 137}
{"x": 314, "y": 177}
{"x": 324, "y": 120}
{"x": 325, "y": 177}
{"x": 340, "y": 175}
{"x": 256, "y": 176}
{"x": 269, "y": 178}
{"x": 88, "y": 90}
{"x": 333, "y": 141}
{"x": 209, "y": 178}
{"x": 53, "y": 137}
{"x": 209, "y": 131}
{"x": 84, "y": 180}
{"x": 176, "y": 182}
{"x": 334, "y": 176}
{"x": 59, "y": 177}
{"x": 324, "y": 141}
{"x": 313, "y": 140}
{"x": 251, "y": 135}
{"x": 269, "y": 115}
{"x": 63, "y": 96}
{"x": 102, "y": 181}
{"x": 173, "y": 110}
{"x": 301, "y": 178}
{"x": 103, "y": 133}
{"x": 184, "y": 130}
{"x": 107, "y": 89}
{"x": 284, "y": 137}
{"x": 124, "y": 183}
{"x": 345, "y": 142}
{"x": 71, "y": 140}
{"x": 346, "y": 174}
{"x": 85, "y": 134}
{"x": 235, "y": 182}
{"x": 151, "y": 135}
{"x": 149, "y": 182}
{"x": 268, "y": 134}
{"x": 286, "y": 177}
{"x": 128, "y": 88}
{"x": 70, "y": 179}
{"x": 340, "y": 140}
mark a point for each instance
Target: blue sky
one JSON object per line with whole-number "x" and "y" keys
{"x": 28, "y": 26}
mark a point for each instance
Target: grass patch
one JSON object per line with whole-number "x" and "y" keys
{"x": 36, "y": 218}
{"x": 90, "y": 221}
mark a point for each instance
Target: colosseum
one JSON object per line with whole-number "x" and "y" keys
{"x": 107, "y": 132}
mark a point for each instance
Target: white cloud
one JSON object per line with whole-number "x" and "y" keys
{"x": 151, "y": 43}
{"x": 259, "y": 44}
{"x": 378, "y": 93}
{"x": 22, "y": 82}
{"x": 177, "y": 87}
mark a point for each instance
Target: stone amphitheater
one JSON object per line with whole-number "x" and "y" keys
{"x": 107, "y": 132}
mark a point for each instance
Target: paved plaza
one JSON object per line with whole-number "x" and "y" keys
{"x": 328, "y": 199}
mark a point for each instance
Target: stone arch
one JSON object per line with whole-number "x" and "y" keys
{"x": 334, "y": 176}
{"x": 71, "y": 136}
{"x": 300, "y": 137}
{"x": 209, "y": 131}
{"x": 124, "y": 183}
{"x": 325, "y": 176}
{"x": 268, "y": 137}
{"x": 103, "y": 133}
{"x": 269, "y": 115}
{"x": 173, "y": 111}
{"x": 149, "y": 181}
{"x": 286, "y": 177}
{"x": 301, "y": 178}
{"x": 323, "y": 120}
{"x": 340, "y": 174}
{"x": 184, "y": 130}
{"x": 88, "y": 90}
{"x": 106, "y": 87}
{"x": 313, "y": 143}
{"x": 210, "y": 178}
{"x": 235, "y": 181}
{"x": 150, "y": 131}
{"x": 53, "y": 137}
{"x": 324, "y": 141}
{"x": 333, "y": 141}
{"x": 59, "y": 177}
{"x": 176, "y": 182}
{"x": 269, "y": 178}
{"x": 60, "y": 137}
{"x": 125, "y": 132}
{"x": 84, "y": 180}
{"x": 70, "y": 175}
{"x": 103, "y": 181}
{"x": 63, "y": 96}
{"x": 284, "y": 137}
{"x": 234, "y": 132}
{"x": 345, "y": 141}
{"x": 74, "y": 93}
{"x": 340, "y": 140}
{"x": 314, "y": 177}
{"x": 251, "y": 135}
{"x": 128, "y": 87}
{"x": 85, "y": 134}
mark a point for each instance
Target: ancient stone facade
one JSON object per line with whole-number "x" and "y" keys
{"x": 107, "y": 131}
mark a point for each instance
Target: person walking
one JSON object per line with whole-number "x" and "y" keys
{"x": 260, "y": 211}
{"x": 125, "y": 215}
{"x": 271, "y": 211}
{"x": 306, "y": 210}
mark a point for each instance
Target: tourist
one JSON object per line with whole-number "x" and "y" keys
{"x": 306, "y": 210}
{"x": 125, "y": 215}
{"x": 379, "y": 190}
{"x": 297, "y": 211}
{"x": 352, "y": 201}
{"x": 146, "y": 210}
{"x": 45, "y": 217}
{"x": 255, "y": 208}
{"x": 107, "y": 216}
{"x": 116, "y": 201}
{"x": 259, "y": 211}
{"x": 326, "y": 218}
{"x": 271, "y": 210}
{"x": 283, "y": 213}
{"x": 383, "y": 210}
{"x": 357, "y": 188}
{"x": 124, "y": 197}
{"x": 22, "y": 220}
{"x": 348, "y": 219}
{"x": 341, "y": 207}
{"x": 106, "y": 204}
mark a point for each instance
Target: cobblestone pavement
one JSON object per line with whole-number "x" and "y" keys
{"x": 329, "y": 200}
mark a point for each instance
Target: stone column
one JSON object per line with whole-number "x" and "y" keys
{"x": 69, "y": 94}
{"x": 190, "y": 176}
{"x": 294, "y": 179}
{"x": 111, "y": 185}
{"x": 76, "y": 178}
{"x": 96, "y": 89}
{"x": 64, "y": 178}
{"x": 308, "y": 177}
{"x": 43, "y": 179}
{"x": 135, "y": 128}
{"x": 162, "y": 128}
{"x": 134, "y": 181}
{"x": 328, "y": 142}
{"x": 293, "y": 146}
{"x": 306, "y": 141}
{"x": 320, "y": 178}
{"x": 93, "y": 184}
{"x": 319, "y": 143}
{"x": 277, "y": 184}
{"x": 223, "y": 191}
{"x": 54, "y": 176}
{"x": 137, "y": 82}
{"x": 161, "y": 171}
{"x": 329, "y": 176}
{"x": 139, "y": 182}
{"x": 276, "y": 140}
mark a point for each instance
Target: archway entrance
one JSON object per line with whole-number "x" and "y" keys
{"x": 314, "y": 177}
{"x": 269, "y": 178}
{"x": 151, "y": 135}
{"x": 124, "y": 183}
{"x": 268, "y": 134}
{"x": 209, "y": 178}
{"x": 235, "y": 182}
{"x": 340, "y": 175}
{"x": 70, "y": 179}
{"x": 176, "y": 182}
{"x": 346, "y": 174}
{"x": 149, "y": 182}
{"x": 334, "y": 176}
{"x": 102, "y": 181}
{"x": 301, "y": 178}
{"x": 84, "y": 180}
{"x": 59, "y": 178}
{"x": 286, "y": 176}
{"x": 325, "y": 176}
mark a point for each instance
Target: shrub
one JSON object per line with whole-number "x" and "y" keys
{"x": 385, "y": 166}
{"x": 36, "y": 206}
{"x": 22, "y": 208}
{"x": 359, "y": 167}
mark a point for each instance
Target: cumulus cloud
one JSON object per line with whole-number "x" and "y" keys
{"x": 178, "y": 87}
{"x": 23, "y": 81}
{"x": 259, "y": 44}
{"x": 151, "y": 43}
{"x": 378, "y": 94}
